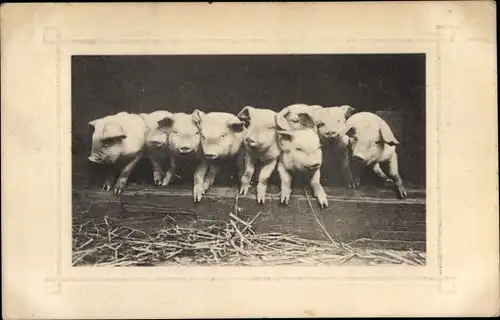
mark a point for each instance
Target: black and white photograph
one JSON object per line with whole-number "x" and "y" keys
{"x": 258, "y": 160}
{"x": 248, "y": 159}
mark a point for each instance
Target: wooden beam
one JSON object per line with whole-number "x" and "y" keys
{"x": 351, "y": 214}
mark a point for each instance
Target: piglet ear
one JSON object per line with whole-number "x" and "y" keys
{"x": 93, "y": 123}
{"x": 283, "y": 111}
{"x": 281, "y": 122}
{"x": 237, "y": 126}
{"x": 166, "y": 122}
{"x": 348, "y": 110}
{"x": 348, "y": 131}
{"x": 387, "y": 136}
{"x": 306, "y": 120}
{"x": 244, "y": 114}
{"x": 285, "y": 136}
{"x": 91, "y": 128}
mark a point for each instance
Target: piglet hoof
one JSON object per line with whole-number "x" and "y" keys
{"x": 323, "y": 201}
{"x": 197, "y": 193}
{"x": 165, "y": 182}
{"x": 401, "y": 192}
{"x": 107, "y": 186}
{"x": 244, "y": 189}
{"x": 157, "y": 178}
{"x": 261, "y": 198}
{"x": 352, "y": 185}
{"x": 388, "y": 183}
{"x": 356, "y": 183}
{"x": 207, "y": 184}
{"x": 285, "y": 197}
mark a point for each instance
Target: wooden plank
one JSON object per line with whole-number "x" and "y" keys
{"x": 395, "y": 224}
{"x": 397, "y": 235}
{"x": 391, "y": 244}
{"x": 367, "y": 214}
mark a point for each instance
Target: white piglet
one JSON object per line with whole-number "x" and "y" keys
{"x": 372, "y": 143}
{"x": 183, "y": 140}
{"x": 157, "y": 148}
{"x": 221, "y": 139}
{"x": 300, "y": 153}
{"x": 118, "y": 140}
{"x": 261, "y": 148}
{"x": 330, "y": 122}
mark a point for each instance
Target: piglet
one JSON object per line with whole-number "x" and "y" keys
{"x": 300, "y": 153}
{"x": 260, "y": 148}
{"x": 157, "y": 144}
{"x": 221, "y": 139}
{"x": 183, "y": 142}
{"x": 371, "y": 143}
{"x": 330, "y": 122}
{"x": 118, "y": 140}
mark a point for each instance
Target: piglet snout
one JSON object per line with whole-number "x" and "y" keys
{"x": 331, "y": 134}
{"x": 94, "y": 159}
{"x": 210, "y": 156}
{"x": 314, "y": 166}
{"x": 250, "y": 142}
{"x": 358, "y": 158}
{"x": 185, "y": 149}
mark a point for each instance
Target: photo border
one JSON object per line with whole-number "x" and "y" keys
{"x": 52, "y": 37}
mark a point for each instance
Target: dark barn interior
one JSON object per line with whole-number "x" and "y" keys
{"x": 392, "y": 85}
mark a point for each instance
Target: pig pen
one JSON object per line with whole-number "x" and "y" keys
{"x": 149, "y": 226}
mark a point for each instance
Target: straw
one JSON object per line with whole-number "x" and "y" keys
{"x": 106, "y": 242}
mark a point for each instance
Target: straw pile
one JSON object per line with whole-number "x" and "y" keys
{"x": 107, "y": 243}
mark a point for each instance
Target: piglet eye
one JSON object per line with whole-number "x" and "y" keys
{"x": 270, "y": 127}
{"x": 223, "y": 135}
{"x": 299, "y": 149}
{"x": 295, "y": 120}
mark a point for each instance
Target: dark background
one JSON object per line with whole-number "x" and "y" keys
{"x": 103, "y": 85}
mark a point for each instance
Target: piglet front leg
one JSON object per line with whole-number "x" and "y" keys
{"x": 319, "y": 193}
{"x": 213, "y": 169}
{"x": 109, "y": 182}
{"x": 248, "y": 171}
{"x": 264, "y": 175}
{"x": 158, "y": 171}
{"x": 346, "y": 170}
{"x": 286, "y": 183}
{"x": 170, "y": 172}
{"x": 394, "y": 174}
{"x": 388, "y": 183}
{"x": 199, "y": 179}
{"x": 124, "y": 175}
